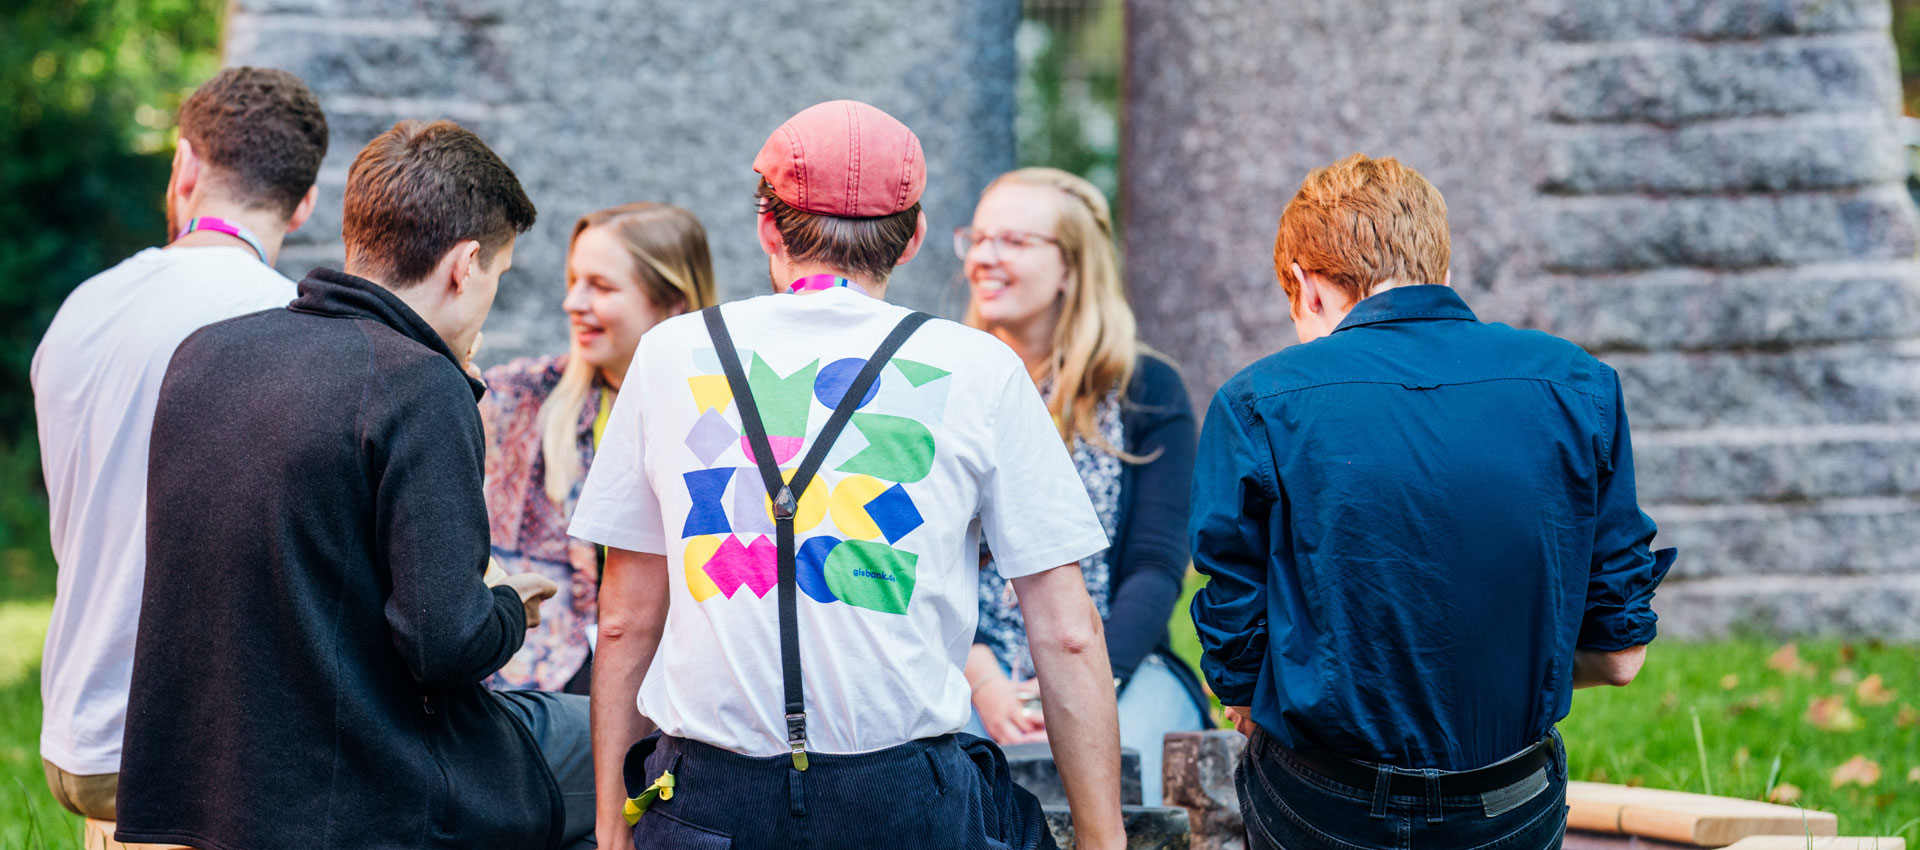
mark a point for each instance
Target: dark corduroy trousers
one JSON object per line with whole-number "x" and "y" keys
{"x": 953, "y": 791}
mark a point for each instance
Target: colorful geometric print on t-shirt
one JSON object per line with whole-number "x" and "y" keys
{"x": 865, "y": 558}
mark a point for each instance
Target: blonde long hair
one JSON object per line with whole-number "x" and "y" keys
{"x": 675, "y": 269}
{"x": 1095, "y": 342}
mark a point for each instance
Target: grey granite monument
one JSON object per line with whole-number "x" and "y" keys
{"x": 1707, "y": 194}
{"x": 600, "y": 102}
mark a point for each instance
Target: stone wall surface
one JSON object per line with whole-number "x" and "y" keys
{"x": 1706, "y": 194}
{"x": 600, "y": 102}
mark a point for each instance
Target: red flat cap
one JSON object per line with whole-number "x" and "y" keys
{"x": 844, "y": 158}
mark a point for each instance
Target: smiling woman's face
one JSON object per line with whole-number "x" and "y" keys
{"x": 606, "y": 305}
{"x": 1016, "y": 286}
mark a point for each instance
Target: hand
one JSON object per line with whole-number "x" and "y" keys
{"x": 1241, "y": 716}
{"x": 615, "y": 838}
{"x": 1005, "y": 715}
{"x": 534, "y": 589}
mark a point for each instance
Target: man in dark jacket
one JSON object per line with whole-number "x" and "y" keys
{"x": 1420, "y": 534}
{"x": 315, "y": 625}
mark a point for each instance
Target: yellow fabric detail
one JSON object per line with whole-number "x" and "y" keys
{"x": 661, "y": 789}
{"x": 600, "y": 419}
{"x": 711, "y": 392}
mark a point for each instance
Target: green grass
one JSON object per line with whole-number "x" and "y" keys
{"x": 1748, "y": 715}
{"x": 29, "y": 818}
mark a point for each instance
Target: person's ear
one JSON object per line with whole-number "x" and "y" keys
{"x": 466, "y": 260}
{"x": 913, "y": 245}
{"x": 1309, "y": 300}
{"x": 1447, "y": 279}
{"x": 770, "y": 239}
{"x": 186, "y": 172}
{"x": 303, "y": 209}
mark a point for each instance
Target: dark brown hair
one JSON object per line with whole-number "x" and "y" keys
{"x": 419, "y": 189}
{"x": 262, "y": 131}
{"x": 868, "y": 246}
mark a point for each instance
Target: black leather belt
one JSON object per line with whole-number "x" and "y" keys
{"x": 1493, "y": 777}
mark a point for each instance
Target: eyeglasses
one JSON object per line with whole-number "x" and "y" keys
{"x": 965, "y": 238}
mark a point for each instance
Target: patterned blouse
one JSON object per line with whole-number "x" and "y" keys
{"x": 1001, "y": 627}
{"x": 529, "y": 530}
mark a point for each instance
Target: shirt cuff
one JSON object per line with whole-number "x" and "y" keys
{"x": 1023, "y": 564}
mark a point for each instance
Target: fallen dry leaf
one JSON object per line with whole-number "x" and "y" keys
{"x": 1729, "y": 682}
{"x": 1913, "y": 776}
{"x": 1858, "y": 770}
{"x": 1906, "y": 717}
{"x": 1848, "y": 653}
{"x": 1786, "y": 659}
{"x": 1741, "y": 757}
{"x": 1873, "y": 691}
{"x": 1831, "y": 714}
{"x": 1844, "y": 676}
{"x": 1786, "y": 794}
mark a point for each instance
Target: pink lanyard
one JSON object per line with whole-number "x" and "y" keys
{"x": 221, "y": 225}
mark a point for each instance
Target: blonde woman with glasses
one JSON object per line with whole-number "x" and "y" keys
{"x": 1044, "y": 277}
{"x": 628, "y": 268}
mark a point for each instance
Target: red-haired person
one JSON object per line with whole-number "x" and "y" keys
{"x": 1421, "y": 535}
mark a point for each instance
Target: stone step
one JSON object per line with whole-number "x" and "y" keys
{"x": 1033, "y": 769}
{"x": 1583, "y": 20}
{"x": 1148, "y": 827}
{"x": 1668, "y": 82}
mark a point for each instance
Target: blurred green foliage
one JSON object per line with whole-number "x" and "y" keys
{"x": 1067, "y": 105}
{"x": 88, "y": 91}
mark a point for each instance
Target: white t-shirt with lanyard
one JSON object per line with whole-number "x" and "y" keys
{"x": 951, "y": 444}
{"x": 96, "y": 379}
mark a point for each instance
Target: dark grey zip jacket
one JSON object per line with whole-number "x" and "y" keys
{"x": 314, "y": 628}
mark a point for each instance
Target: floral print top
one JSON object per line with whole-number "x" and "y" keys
{"x": 529, "y": 531}
{"x": 1001, "y": 627}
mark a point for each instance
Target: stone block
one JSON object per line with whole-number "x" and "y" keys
{"x": 1734, "y": 465}
{"x": 1842, "y": 385}
{"x": 466, "y": 11}
{"x": 1703, "y": 310}
{"x": 1822, "y": 151}
{"x": 1619, "y": 234}
{"x": 1033, "y": 769}
{"x": 1876, "y": 606}
{"x": 1198, "y": 770}
{"x": 450, "y": 62}
{"x": 1148, "y": 827}
{"x": 1672, "y": 82}
{"x": 1811, "y": 542}
{"x": 1583, "y": 20}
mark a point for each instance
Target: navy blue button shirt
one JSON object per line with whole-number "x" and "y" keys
{"x": 1409, "y": 526}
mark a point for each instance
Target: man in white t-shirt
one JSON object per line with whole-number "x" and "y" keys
{"x": 948, "y": 446}
{"x": 251, "y": 141}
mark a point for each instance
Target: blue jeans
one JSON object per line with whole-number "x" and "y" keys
{"x": 1287, "y": 805}
{"x": 1153, "y": 704}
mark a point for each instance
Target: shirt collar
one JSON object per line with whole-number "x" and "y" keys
{"x": 1408, "y": 302}
{"x": 328, "y": 292}
{"x": 818, "y": 282}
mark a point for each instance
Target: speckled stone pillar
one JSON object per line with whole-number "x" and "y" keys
{"x": 600, "y": 102}
{"x": 1707, "y": 194}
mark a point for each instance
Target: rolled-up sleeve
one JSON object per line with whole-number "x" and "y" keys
{"x": 1235, "y": 492}
{"x": 1619, "y": 612}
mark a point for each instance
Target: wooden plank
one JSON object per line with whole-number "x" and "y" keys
{"x": 99, "y": 836}
{"x": 1686, "y": 818}
{"x": 1801, "y": 842}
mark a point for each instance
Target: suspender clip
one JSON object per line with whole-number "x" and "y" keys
{"x": 797, "y": 739}
{"x": 783, "y": 505}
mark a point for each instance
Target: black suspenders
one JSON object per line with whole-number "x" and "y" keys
{"x": 786, "y": 496}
